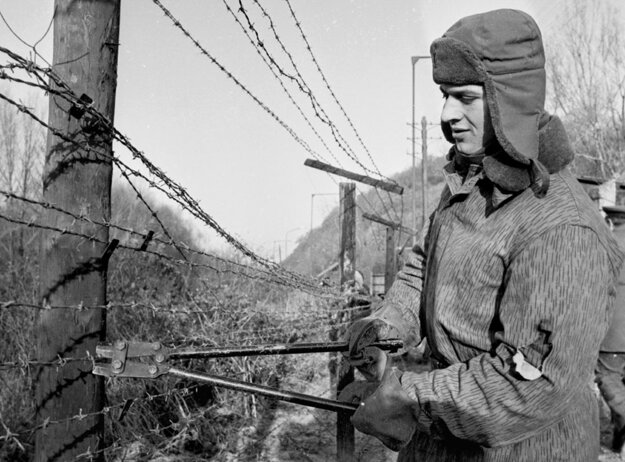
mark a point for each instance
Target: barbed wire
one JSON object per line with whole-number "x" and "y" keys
{"x": 106, "y": 128}
{"x": 280, "y": 81}
{"x": 204, "y": 52}
{"x": 107, "y": 410}
{"x": 299, "y": 325}
{"x": 231, "y": 76}
{"x": 260, "y": 276}
{"x": 157, "y": 309}
{"x": 70, "y": 97}
{"x": 318, "y": 110}
{"x": 154, "y": 214}
{"x": 327, "y": 84}
{"x": 288, "y": 93}
{"x": 299, "y": 81}
{"x": 26, "y": 364}
{"x": 340, "y": 106}
{"x": 174, "y": 191}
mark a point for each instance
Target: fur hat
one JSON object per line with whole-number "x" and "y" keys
{"x": 503, "y": 51}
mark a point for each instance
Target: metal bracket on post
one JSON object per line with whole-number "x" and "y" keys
{"x": 146, "y": 241}
{"x": 118, "y": 357}
{"x": 77, "y": 111}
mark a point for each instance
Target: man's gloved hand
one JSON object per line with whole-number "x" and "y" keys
{"x": 370, "y": 361}
{"x": 358, "y": 391}
{"x": 388, "y": 413}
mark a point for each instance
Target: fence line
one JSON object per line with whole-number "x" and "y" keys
{"x": 98, "y": 128}
{"x": 102, "y": 125}
{"x": 318, "y": 110}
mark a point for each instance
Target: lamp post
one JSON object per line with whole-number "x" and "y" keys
{"x": 414, "y": 60}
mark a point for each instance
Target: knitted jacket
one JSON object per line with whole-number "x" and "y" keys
{"x": 512, "y": 293}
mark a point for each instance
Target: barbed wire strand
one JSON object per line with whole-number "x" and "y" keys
{"x": 105, "y": 411}
{"x": 179, "y": 194}
{"x": 72, "y": 98}
{"x": 304, "y": 88}
{"x": 265, "y": 60}
{"x": 204, "y": 52}
{"x": 336, "y": 100}
{"x": 300, "y": 83}
{"x": 123, "y": 246}
{"x": 281, "y": 82}
{"x": 266, "y": 276}
{"x": 231, "y": 76}
{"x": 327, "y": 84}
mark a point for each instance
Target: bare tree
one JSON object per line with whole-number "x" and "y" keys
{"x": 22, "y": 143}
{"x": 586, "y": 70}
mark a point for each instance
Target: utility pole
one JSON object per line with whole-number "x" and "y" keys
{"x": 77, "y": 178}
{"x": 414, "y": 60}
{"x": 347, "y": 268}
{"x": 424, "y": 171}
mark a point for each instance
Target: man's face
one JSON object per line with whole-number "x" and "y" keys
{"x": 467, "y": 115}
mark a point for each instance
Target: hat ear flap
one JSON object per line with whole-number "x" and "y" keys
{"x": 516, "y": 118}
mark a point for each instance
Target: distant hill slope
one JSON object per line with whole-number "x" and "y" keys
{"x": 318, "y": 250}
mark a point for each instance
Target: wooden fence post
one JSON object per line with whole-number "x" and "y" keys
{"x": 390, "y": 268}
{"x": 73, "y": 269}
{"x": 347, "y": 268}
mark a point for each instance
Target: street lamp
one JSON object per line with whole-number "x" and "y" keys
{"x": 414, "y": 60}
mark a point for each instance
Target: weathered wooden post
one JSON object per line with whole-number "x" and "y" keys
{"x": 390, "y": 267}
{"x": 340, "y": 372}
{"x": 77, "y": 178}
{"x": 347, "y": 268}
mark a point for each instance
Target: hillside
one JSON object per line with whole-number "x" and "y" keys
{"x": 318, "y": 249}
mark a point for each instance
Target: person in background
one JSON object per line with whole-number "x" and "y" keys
{"x": 512, "y": 284}
{"x": 611, "y": 364}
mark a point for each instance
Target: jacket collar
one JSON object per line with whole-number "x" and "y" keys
{"x": 462, "y": 183}
{"x": 507, "y": 178}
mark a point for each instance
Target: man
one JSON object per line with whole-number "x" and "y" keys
{"x": 611, "y": 364}
{"x": 511, "y": 284}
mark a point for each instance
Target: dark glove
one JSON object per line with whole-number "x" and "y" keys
{"x": 388, "y": 413}
{"x": 370, "y": 361}
{"x": 357, "y": 392}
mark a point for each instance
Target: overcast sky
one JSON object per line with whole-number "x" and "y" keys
{"x": 243, "y": 167}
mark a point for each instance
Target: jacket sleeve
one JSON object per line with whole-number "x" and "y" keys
{"x": 554, "y": 311}
{"x": 402, "y": 304}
